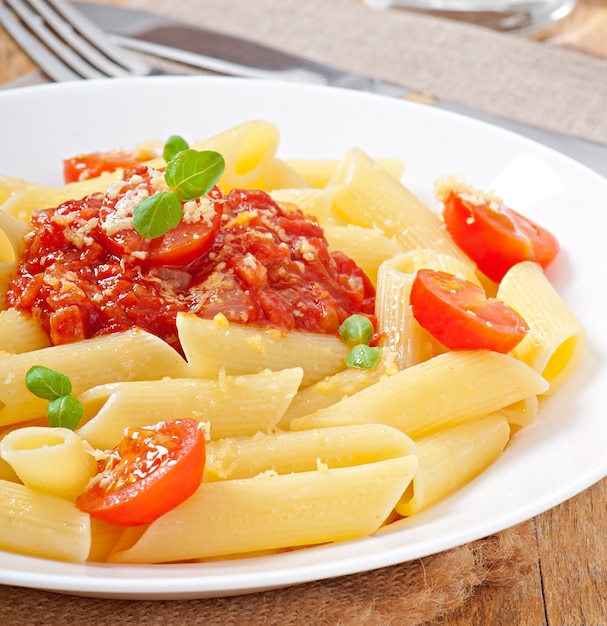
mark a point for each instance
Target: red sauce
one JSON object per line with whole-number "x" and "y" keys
{"x": 265, "y": 265}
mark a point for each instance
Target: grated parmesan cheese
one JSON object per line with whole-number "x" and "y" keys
{"x": 199, "y": 210}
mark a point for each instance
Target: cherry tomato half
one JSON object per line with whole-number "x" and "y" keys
{"x": 85, "y": 166}
{"x": 496, "y": 238}
{"x": 150, "y": 472}
{"x": 459, "y": 315}
{"x": 176, "y": 248}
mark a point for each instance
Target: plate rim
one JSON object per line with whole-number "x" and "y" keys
{"x": 95, "y": 584}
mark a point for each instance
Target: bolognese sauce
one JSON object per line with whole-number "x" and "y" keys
{"x": 85, "y": 271}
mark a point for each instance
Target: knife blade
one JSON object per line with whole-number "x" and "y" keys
{"x": 234, "y": 56}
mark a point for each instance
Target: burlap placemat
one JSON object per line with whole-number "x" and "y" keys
{"x": 502, "y": 74}
{"x": 411, "y": 594}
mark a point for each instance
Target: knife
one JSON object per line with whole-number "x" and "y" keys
{"x": 226, "y": 54}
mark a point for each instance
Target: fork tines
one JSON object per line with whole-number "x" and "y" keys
{"x": 65, "y": 44}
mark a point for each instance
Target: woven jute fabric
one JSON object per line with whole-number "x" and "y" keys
{"x": 411, "y": 594}
{"x": 502, "y": 74}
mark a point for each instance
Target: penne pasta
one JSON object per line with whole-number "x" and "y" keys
{"x": 9, "y": 185}
{"x": 396, "y": 324}
{"x": 314, "y": 202}
{"x": 104, "y": 538}
{"x": 23, "y": 202}
{"x": 447, "y": 390}
{"x": 451, "y": 458}
{"x": 32, "y": 450}
{"x": 279, "y": 175}
{"x": 232, "y": 406}
{"x": 21, "y": 332}
{"x": 297, "y": 509}
{"x": 214, "y": 345}
{"x": 287, "y": 452}
{"x": 320, "y": 172}
{"x": 7, "y": 271}
{"x": 522, "y": 412}
{"x": 135, "y": 355}
{"x": 369, "y": 247}
{"x": 304, "y": 445}
{"x": 555, "y": 342}
{"x": 333, "y": 388}
{"x": 248, "y": 149}
{"x": 366, "y": 195}
{"x": 12, "y": 236}
{"x": 29, "y": 519}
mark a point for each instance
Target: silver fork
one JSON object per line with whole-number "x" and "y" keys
{"x": 65, "y": 44}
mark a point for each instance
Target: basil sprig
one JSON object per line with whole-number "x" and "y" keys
{"x": 156, "y": 215}
{"x": 63, "y": 410}
{"x": 190, "y": 174}
{"x": 173, "y": 145}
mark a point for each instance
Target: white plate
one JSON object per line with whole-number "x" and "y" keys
{"x": 555, "y": 458}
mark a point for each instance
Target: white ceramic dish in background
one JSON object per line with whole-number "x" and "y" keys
{"x": 553, "y": 459}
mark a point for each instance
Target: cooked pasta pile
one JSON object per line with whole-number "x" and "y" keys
{"x": 301, "y": 450}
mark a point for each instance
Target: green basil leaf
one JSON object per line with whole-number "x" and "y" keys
{"x": 363, "y": 357}
{"x": 192, "y": 173}
{"x": 47, "y": 383}
{"x": 65, "y": 412}
{"x": 356, "y": 329}
{"x": 157, "y": 214}
{"x": 173, "y": 146}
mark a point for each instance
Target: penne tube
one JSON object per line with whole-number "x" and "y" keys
{"x": 366, "y": 195}
{"x": 104, "y": 539}
{"x": 319, "y": 172}
{"x": 87, "y": 187}
{"x": 10, "y": 185}
{"x": 333, "y": 388}
{"x": 313, "y": 202}
{"x": 20, "y": 332}
{"x": 133, "y": 355}
{"x": 279, "y": 175}
{"x": 33, "y": 450}
{"x": 23, "y": 202}
{"x": 451, "y": 458}
{"x": 522, "y": 412}
{"x": 286, "y": 452}
{"x": 12, "y": 236}
{"x": 7, "y": 271}
{"x": 447, "y": 390}
{"x": 369, "y": 247}
{"x": 555, "y": 343}
{"x": 214, "y": 345}
{"x": 42, "y": 525}
{"x": 232, "y": 406}
{"x": 274, "y": 511}
{"x": 248, "y": 150}
{"x": 396, "y": 324}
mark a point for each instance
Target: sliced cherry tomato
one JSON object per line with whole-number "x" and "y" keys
{"x": 176, "y": 248}
{"x": 85, "y": 166}
{"x": 459, "y": 315}
{"x": 150, "y": 472}
{"x": 496, "y": 237}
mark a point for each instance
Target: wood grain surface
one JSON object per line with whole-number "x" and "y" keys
{"x": 566, "y": 587}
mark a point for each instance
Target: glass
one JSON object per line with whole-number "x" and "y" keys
{"x": 501, "y": 15}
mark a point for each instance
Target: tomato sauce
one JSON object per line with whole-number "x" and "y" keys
{"x": 264, "y": 264}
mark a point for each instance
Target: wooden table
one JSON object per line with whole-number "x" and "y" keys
{"x": 566, "y": 587}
